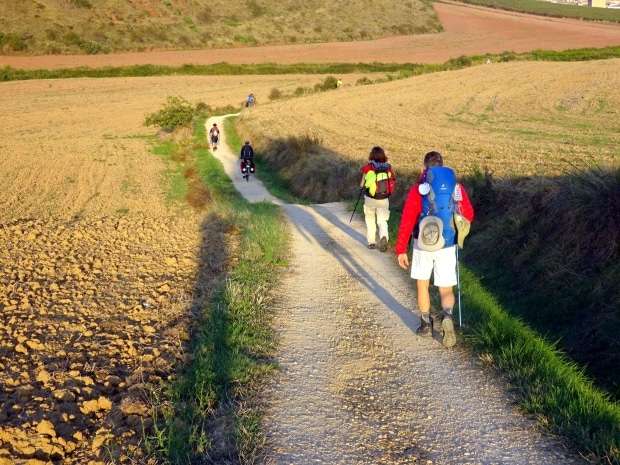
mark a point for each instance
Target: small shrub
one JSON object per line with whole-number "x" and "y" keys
{"x": 255, "y": 9}
{"x": 507, "y": 56}
{"x": 329, "y": 83}
{"x": 176, "y": 112}
{"x": 13, "y": 42}
{"x": 275, "y": 94}
{"x": 460, "y": 62}
{"x": 71, "y": 38}
{"x": 205, "y": 16}
{"x": 81, "y": 3}
{"x": 364, "y": 81}
{"x": 301, "y": 91}
{"x": 92, "y": 47}
{"x": 245, "y": 39}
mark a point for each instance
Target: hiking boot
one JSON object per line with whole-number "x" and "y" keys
{"x": 447, "y": 331}
{"x": 383, "y": 244}
{"x": 424, "y": 329}
{"x": 372, "y": 246}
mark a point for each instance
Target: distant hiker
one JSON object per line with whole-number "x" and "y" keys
{"x": 338, "y": 83}
{"x": 250, "y": 101}
{"x": 247, "y": 152}
{"x": 214, "y": 134}
{"x": 435, "y": 204}
{"x": 378, "y": 182}
{"x": 247, "y": 160}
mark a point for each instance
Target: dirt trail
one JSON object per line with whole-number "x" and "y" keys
{"x": 467, "y": 31}
{"x": 357, "y": 385}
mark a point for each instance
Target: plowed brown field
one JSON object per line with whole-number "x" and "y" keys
{"x": 468, "y": 30}
{"x": 514, "y": 118}
{"x": 98, "y": 271}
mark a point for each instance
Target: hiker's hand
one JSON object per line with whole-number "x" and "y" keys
{"x": 403, "y": 261}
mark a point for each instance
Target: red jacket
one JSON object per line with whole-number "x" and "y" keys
{"x": 412, "y": 210}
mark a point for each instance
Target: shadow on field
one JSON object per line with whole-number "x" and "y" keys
{"x": 201, "y": 418}
{"x": 548, "y": 247}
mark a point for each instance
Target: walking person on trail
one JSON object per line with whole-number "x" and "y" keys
{"x": 214, "y": 135}
{"x": 247, "y": 160}
{"x": 378, "y": 182}
{"x": 250, "y": 101}
{"x": 435, "y": 204}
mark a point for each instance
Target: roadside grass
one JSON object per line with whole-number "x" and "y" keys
{"x": 173, "y": 176}
{"x": 557, "y": 10}
{"x": 210, "y": 410}
{"x": 275, "y": 184}
{"x": 550, "y": 386}
{"x": 393, "y": 70}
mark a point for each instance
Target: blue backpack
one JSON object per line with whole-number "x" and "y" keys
{"x": 440, "y": 200}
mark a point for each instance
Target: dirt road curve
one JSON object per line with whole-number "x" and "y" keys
{"x": 468, "y": 30}
{"x": 357, "y": 386}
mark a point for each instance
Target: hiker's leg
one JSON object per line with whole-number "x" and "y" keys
{"x": 383, "y": 215}
{"x": 447, "y": 298}
{"x": 445, "y": 279}
{"x": 371, "y": 222}
{"x": 424, "y": 296}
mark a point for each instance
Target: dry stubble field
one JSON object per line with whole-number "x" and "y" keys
{"x": 97, "y": 267}
{"x": 514, "y": 118}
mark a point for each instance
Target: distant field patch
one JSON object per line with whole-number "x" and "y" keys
{"x": 513, "y": 118}
{"x": 544, "y": 8}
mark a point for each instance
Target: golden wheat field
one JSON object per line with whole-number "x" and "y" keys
{"x": 513, "y": 118}
{"x": 76, "y": 146}
{"x": 99, "y": 269}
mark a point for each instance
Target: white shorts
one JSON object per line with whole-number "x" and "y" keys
{"x": 442, "y": 263}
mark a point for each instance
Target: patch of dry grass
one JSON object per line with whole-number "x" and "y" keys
{"x": 77, "y": 147}
{"x": 514, "y": 118}
{"x": 88, "y": 26}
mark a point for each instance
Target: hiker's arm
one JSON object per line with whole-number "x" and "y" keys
{"x": 467, "y": 209}
{"x": 411, "y": 212}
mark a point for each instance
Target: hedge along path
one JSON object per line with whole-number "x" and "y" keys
{"x": 356, "y": 385}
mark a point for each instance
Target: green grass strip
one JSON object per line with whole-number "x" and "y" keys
{"x": 547, "y": 382}
{"x": 401, "y": 70}
{"x": 233, "y": 344}
{"x": 557, "y": 10}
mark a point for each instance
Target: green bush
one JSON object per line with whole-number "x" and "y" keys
{"x": 302, "y": 91}
{"x": 13, "y": 42}
{"x": 92, "y": 47}
{"x": 275, "y": 94}
{"x": 364, "y": 81}
{"x": 329, "y": 83}
{"x": 176, "y": 112}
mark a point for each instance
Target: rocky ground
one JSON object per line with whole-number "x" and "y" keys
{"x": 94, "y": 315}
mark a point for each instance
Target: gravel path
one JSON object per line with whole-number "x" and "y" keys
{"x": 357, "y": 386}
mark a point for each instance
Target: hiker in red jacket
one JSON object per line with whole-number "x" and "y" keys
{"x": 438, "y": 206}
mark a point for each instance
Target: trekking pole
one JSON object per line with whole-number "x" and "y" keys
{"x": 359, "y": 197}
{"x": 458, "y": 286}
